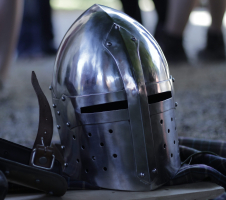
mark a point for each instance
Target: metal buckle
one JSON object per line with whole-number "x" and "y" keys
{"x": 33, "y": 157}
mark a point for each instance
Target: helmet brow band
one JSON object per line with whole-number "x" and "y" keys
{"x": 159, "y": 97}
{"x": 118, "y": 105}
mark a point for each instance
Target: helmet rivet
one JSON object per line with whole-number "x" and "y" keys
{"x": 54, "y": 105}
{"x": 65, "y": 164}
{"x": 58, "y": 126}
{"x": 154, "y": 171}
{"x": 173, "y": 79}
{"x": 63, "y": 98}
{"x": 68, "y": 124}
{"x": 45, "y": 132}
{"x": 50, "y": 87}
{"x": 176, "y": 104}
{"x": 141, "y": 174}
{"x": 62, "y": 147}
{"x": 117, "y": 26}
{"x": 133, "y": 39}
{"x": 58, "y": 112}
{"x": 109, "y": 44}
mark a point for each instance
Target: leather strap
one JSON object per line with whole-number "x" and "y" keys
{"x": 45, "y": 128}
{"x": 43, "y": 155}
{"x": 35, "y": 178}
{"x": 44, "y": 172}
{"x": 3, "y": 185}
{"x": 20, "y": 154}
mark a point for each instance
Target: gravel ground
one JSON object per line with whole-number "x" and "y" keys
{"x": 200, "y": 91}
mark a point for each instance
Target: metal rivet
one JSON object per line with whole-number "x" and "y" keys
{"x": 141, "y": 174}
{"x": 173, "y": 79}
{"x": 68, "y": 124}
{"x": 54, "y": 105}
{"x": 115, "y": 155}
{"x": 58, "y": 126}
{"x": 50, "y": 87}
{"x": 42, "y": 160}
{"x": 58, "y": 112}
{"x": 37, "y": 181}
{"x": 133, "y": 39}
{"x": 65, "y": 164}
{"x": 62, "y": 147}
{"x": 109, "y": 43}
{"x": 154, "y": 171}
{"x": 176, "y": 104}
{"x": 93, "y": 158}
{"x": 45, "y": 132}
{"x": 63, "y": 98}
{"x": 117, "y": 26}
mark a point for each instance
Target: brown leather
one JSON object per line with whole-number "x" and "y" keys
{"x": 32, "y": 177}
{"x": 44, "y": 172}
{"x": 45, "y": 128}
{"x": 44, "y": 156}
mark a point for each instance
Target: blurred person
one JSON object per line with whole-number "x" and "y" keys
{"x": 10, "y": 20}
{"x": 132, "y": 9}
{"x": 161, "y": 9}
{"x": 36, "y": 36}
{"x": 171, "y": 39}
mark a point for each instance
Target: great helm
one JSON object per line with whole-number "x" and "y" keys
{"x": 114, "y": 103}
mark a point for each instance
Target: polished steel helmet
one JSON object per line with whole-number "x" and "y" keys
{"x": 114, "y": 104}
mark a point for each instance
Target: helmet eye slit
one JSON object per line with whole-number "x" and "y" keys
{"x": 159, "y": 97}
{"x": 118, "y": 105}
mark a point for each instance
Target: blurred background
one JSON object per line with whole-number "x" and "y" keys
{"x": 191, "y": 33}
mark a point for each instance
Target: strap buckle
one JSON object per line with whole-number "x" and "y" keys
{"x": 42, "y": 157}
{"x": 46, "y": 168}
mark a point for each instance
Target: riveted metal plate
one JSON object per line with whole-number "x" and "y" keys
{"x": 166, "y": 144}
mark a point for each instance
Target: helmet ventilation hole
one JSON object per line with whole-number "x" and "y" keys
{"x": 77, "y": 160}
{"x": 101, "y": 144}
{"x": 105, "y": 168}
{"x": 171, "y": 155}
{"x": 74, "y": 138}
{"x": 115, "y": 155}
{"x": 174, "y": 142}
{"x": 110, "y": 131}
{"x": 175, "y": 128}
{"x": 83, "y": 147}
{"x": 93, "y": 158}
{"x": 171, "y": 119}
{"x": 89, "y": 134}
{"x": 168, "y": 130}
{"x": 86, "y": 171}
{"x": 161, "y": 121}
{"x": 164, "y": 146}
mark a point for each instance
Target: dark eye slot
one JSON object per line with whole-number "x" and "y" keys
{"x": 159, "y": 97}
{"x": 118, "y": 105}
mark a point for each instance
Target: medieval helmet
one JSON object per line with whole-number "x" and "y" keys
{"x": 114, "y": 104}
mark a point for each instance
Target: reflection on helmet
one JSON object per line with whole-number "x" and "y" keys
{"x": 114, "y": 104}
